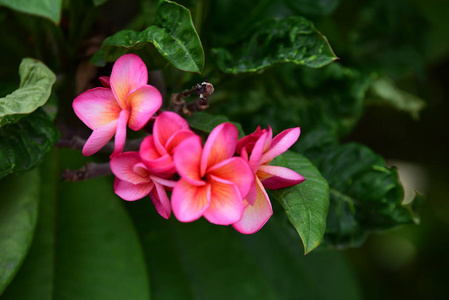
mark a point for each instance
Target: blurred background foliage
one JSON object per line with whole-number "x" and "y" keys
{"x": 385, "y": 96}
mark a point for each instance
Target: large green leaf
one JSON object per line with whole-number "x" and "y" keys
{"x": 18, "y": 215}
{"x": 293, "y": 39}
{"x": 85, "y": 245}
{"x": 24, "y": 144}
{"x": 36, "y": 81}
{"x": 305, "y": 204}
{"x": 365, "y": 195}
{"x": 173, "y": 35}
{"x": 50, "y": 9}
{"x": 202, "y": 261}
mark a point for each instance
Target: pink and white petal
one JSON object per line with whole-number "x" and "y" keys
{"x": 187, "y": 160}
{"x": 128, "y": 74}
{"x": 189, "y": 201}
{"x": 160, "y": 200}
{"x": 255, "y": 216}
{"x": 131, "y": 192}
{"x": 164, "y": 182}
{"x": 220, "y": 145}
{"x": 143, "y": 103}
{"x": 166, "y": 125}
{"x": 281, "y": 143}
{"x": 176, "y": 139}
{"x": 120, "y": 134}
{"x": 105, "y": 81}
{"x": 252, "y": 194}
{"x": 123, "y": 165}
{"x": 99, "y": 138}
{"x": 235, "y": 170}
{"x": 163, "y": 166}
{"x": 226, "y": 204}
{"x": 275, "y": 177}
{"x": 96, "y": 107}
{"x": 257, "y": 152}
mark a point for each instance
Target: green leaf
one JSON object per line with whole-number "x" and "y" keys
{"x": 365, "y": 195}
{"x": 174, "y": 37}
{"x": 205, "y": 122}
{"x": 24, "y": 144}
{"x": 383, "y": 91}
{"x": 293, "y": 39}
{"x": 85, "y": 246}
{"x": 202, "y": 261}
{"x": 36, "y": 81}
{"x": 312, "y": 7}
{"x": 305, "y": 204}
{"x": 18, "y": 214}
{"x": 50, "y": 9}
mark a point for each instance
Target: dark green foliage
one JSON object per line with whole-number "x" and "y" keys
{"x": 173, "y": 35}
{"x": 292, "y": 39}
{"x": 365, "y": 195}
{"x": 24, "y": 144}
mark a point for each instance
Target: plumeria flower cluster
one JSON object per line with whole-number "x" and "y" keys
{"x": 222, "y": 179}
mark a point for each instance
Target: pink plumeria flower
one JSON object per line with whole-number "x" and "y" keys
{"x": 157, "y": 150}
{"x": 259, "y": 148}
{"x": 213, "y": 183}
{"x": 125, "y": 99}
{"x": 134, "y": 181}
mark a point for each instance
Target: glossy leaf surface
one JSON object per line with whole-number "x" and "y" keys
{"x": 18, "y": 214}
{"x": 36, "y": 81}
{"x": 305, "y": 204}
{"x": 50, "y": 9}
{"x": 24, "y": 144}
{"x": 293, "y": 39}
{"x": 173, "y": 35}
{"x": 365, "y": 194}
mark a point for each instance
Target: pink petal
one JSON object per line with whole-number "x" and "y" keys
{"x": 176, "y": 139}
{"x": 226, "y": 204}
{"x": 255, "y": 216}
{"x": 120, "y": 135}
{"x": 105, "y": 81}
{"x": 281, "y": 143}
{"x": 143, "y": 103}
{"x": 187, "y": 160}
{"x": 235, "y": 170}
{"x": 130, "y": 192}
{"x": 189, "y": 201}
{"x": 165, "y": 126}
{"x": 164, "y": 182}
{"x": 99, "y": 137}
{"x": 159, "y": 164}
{"x": 123, "y": 165}
{"x": 252, "y": 194}
{"x": 220, "y": 145}
{"x": 257, "y": 152}
{"x": 274, "y": 177}
{"x": 96, "y": 107}
{"x": 160, "y": 200}
{"x": 128, "y": 74}
{"x": 248, "y": 141}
